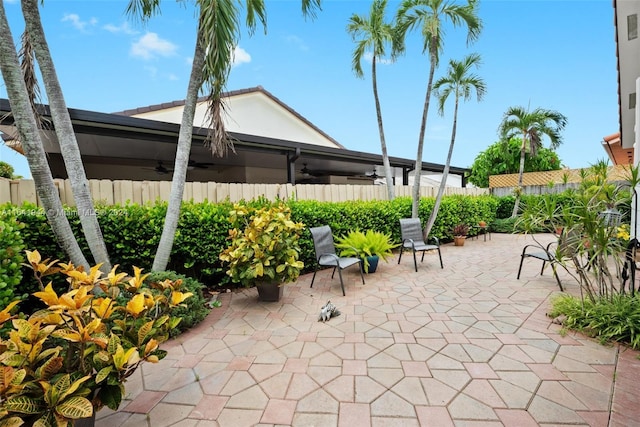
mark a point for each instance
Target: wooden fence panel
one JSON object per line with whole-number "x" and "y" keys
{"x": 142, "y": 192}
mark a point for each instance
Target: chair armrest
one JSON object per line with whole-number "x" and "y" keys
{"x": 334, "y": 256}
{"x": 413, "y": 244}
{"x": 538, "y": 248}
{"x": 435, "y": 239}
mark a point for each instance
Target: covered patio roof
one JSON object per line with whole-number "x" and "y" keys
{"x": 112, "y": 139}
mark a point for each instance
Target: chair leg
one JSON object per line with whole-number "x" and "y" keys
{"x": 333, "y": 273}
{"x": 520, "y": 268}
{"x": 400, "y": 257}
{"x": 341, "y": 282}
{"x": 314, "y": 276}
{"x": 360, "y": 270}
{"x": 440, "y": 256}
{"x": 415, "y": 262}
{"x": 555, "y": 273}
{"x": 422, "y": 259}
{"x": 544, "y": 263}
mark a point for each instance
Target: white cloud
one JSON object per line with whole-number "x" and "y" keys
{"x": 240, "y": 56}
{"x": 78, "y": 23}
{"x": 123, "y": 28}
{"x": 173, "y": 77}
{"x": 368, "y": 56}
{"x": 150, "y": 45}
{"x": 297, "y": 41}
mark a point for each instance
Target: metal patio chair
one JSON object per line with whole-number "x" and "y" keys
{"x": 565, "y": 247}
{"x": 412, "y": 239}
{"x": 326, "y": 254}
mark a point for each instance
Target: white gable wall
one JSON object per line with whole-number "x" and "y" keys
{"x": 252, "y": 113}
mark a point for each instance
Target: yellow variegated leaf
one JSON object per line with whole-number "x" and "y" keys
{"x": 103, "y": 374}
{"x": 75, "y": 408}
{"x": 103, "y": 307}
{"x": 152, "y": 359}
{"x": 5, "y": 314}
{"x": 136, "y": 305}
{"x": 144, "y": 331}
{"x": 151, "y": 346}
{"x": 68, "y": 335}
{"x": 34, "y": 257}
{"x": 12, "y": 422}
{"x": 178, "y": 297}
{"x": 48, "y": 296}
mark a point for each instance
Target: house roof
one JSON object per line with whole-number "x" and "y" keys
{"x": 231, "y": 94}
{"x": 121, "y": 139}
{"x": 618, "y": 155}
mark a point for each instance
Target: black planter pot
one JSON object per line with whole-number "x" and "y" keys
{"x": 269, "y": 291}
{"x": 373, "y": 264}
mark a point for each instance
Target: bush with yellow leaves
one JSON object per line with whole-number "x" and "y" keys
{"x": 72, "y": 358}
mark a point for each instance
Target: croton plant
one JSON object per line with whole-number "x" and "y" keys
{"x": 71, "y": 358}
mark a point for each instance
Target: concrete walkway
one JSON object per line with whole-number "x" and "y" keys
{"x": 467, "y": 345}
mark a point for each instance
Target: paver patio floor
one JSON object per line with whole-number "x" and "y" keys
{"x": 467, "y": 345}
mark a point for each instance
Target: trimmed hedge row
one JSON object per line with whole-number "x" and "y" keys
{"x": 132, "y": 232}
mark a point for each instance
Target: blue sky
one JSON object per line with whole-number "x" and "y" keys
{"x": 557, "y": 55}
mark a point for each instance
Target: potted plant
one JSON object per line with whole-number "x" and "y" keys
{"x": 63, "y": 363}
{"x": 369, "y": 246}
{"x": 460, "y": 232}
{"x": 264, "y": 248}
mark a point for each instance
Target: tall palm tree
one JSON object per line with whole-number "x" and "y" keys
{"x": 372, "y": 33}
{"x": 217, "y": 36}
{"x": 30, "y": 137}
{"x": 429, "y": 16}
{"x": 460, "y": 83}
{"x": 532, "y": 126}
{"x": 66, "y": 136}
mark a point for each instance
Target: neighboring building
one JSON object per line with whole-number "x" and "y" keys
{"x": 273, "y": 144}
{"x": 628, "y": 52}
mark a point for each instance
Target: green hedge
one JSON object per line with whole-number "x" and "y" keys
{"x": 132, "y": 232}
{"x": 11, "y": 259}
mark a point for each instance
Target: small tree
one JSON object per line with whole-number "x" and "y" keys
{"x": 6, "y": 170}
{"x": 503, "y": 157}
{"x": 595, "y": 255}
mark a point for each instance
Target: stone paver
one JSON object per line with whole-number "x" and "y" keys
{"x": 467, "y": 345}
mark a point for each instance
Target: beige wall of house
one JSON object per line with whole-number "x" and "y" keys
{"x": 252, "y": 113}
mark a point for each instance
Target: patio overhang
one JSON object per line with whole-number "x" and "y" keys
{"x": 130, "y": 143}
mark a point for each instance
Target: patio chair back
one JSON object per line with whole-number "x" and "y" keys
{"x": 411, "y": 229}
{"x": 323, "y": 244}
{"x": 326, "y": 254}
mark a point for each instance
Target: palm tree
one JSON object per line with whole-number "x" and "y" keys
{"x": 29, "y": 135}
{"x": 532, "y": 127}
{"x": 373, "y": 34}
{"x": 66, "y": 136}
{"x": 460, "y": 83}
{"x": 429, "y": 16}
{"x": 216, "y": 37}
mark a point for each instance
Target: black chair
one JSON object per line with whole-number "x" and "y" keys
{"x": 565, "y": 247}
{"x": 412, "y": 238}
{"x": 326, "y": 254}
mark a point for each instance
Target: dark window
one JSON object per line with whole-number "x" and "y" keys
{"x": 632, "y": 26}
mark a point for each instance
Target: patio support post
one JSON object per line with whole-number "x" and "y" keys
{"x": 636, "y": 161}
{"x": 291, "y": 166}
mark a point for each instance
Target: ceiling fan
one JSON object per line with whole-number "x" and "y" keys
{"x": 160, "y": 169}
{"x": 199, "y": 165}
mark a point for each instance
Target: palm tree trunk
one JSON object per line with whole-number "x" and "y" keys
{"x": 445, "y": 173}
{"x": 182, "y": 159}
{"x": 516, "y": 205}
{"x": 66, "y": 136}
{"x": 423, "y": 126}
{"x": 31, "y": 140}
{"x": 383, "y": 145}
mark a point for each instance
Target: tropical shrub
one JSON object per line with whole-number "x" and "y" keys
{"x": 6, "y": 170}
{"x": 264, "y": 245}
{"x": 193, "y": 310}
{"x": 72, "y": 358}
